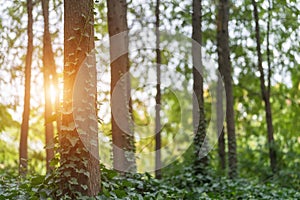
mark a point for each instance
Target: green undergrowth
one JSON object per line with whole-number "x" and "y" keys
{"x": 183, "y": 185}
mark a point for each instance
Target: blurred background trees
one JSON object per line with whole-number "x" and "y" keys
{"x": 261, "y": 36}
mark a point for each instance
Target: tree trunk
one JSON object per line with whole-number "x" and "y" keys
{"x": 265, "y": 93}
{"x": 268, "y": 48}
{"x": 220, "y": 126}
{"x": 158, "y": 97}
{"x": 23, "y": 157}
{"x": 79, "y": 166}
{"x": 122, "y": 126}
{"x": 199, "y": 123}
{"x": 225, "y": 70}
{"x": 48, "y": 68}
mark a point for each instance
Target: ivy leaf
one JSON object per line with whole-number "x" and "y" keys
{"x": 87, "y": 174}
{"x": 67, "y": 173}
{"x": 120, "y": 193}
{"x": 73, "y": 140}
{"x": 73, "y": 181}
{"x": 84, "y": 187}
{"x": 37, "y": 180}
{"x": 71, "y": 38}
{"x": 54, "y": 162}
{"x": 86, "y": 35}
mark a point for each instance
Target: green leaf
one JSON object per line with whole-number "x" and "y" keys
{"x": 73, "y": 181}
{"x": 87, "y": 174}
{"x": 120, "y": 193}
{"x": 67, "y": 173}
{"x": 37, "y": 180}
{"x": 85, "y": 187}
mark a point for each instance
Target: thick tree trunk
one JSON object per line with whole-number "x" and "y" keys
{"x": 225, "y": 70}
{"x": 199, "y": 123}
{"x": 49, "y": 66}
{"x": 158, "y": 97}
{"x": 122, "y": 126}
{"x": 23, "y": 157}
{"x": 79, "y": 132}
{"x": 265, "y": 93}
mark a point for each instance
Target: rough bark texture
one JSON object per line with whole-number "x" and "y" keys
{"x": 122, "y": 128}
{"x": 79, "y": 168}
{"x": 201, "y": 160}
{"x": 225, "y": 70}
{"x": 220, "y": 126}
{"x": 158, "y": 97}
{"x": 265, "y": 93}
{"x": 48, "y": 70}
{"x": 23, "y": 157}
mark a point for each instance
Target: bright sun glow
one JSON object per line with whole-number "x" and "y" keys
{"x": 52, "y": 93}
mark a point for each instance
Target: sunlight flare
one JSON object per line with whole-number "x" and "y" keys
{"x": 53, "y": 94}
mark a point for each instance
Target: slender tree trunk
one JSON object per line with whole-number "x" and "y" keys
{"x": 268, "y": 48}
{"x": 265, "y": 92}
{"x": 122, "y": 128}
{"x": 23, "y": 157}
{"x": 80, "y": 171}
{"x": 225, "y": 70}
{"x": 158, "y": 97}
{"x": 220, "y": 126}
{"x": 201, "y": 160}
{"x": 49, "y": 64}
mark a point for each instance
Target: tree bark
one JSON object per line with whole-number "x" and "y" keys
{"x": 225, "y": 70}
{"x": 220, "y": 126}
{"x": 158, "y": 97}
{"x": 122, "y": 126}
{"x": 23, "y": 157}
{"x": 48, "y": 68}
{"x": 199, "y": 123}
{"x": 79, "y": 166}
{"x": 265, "y": 93}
